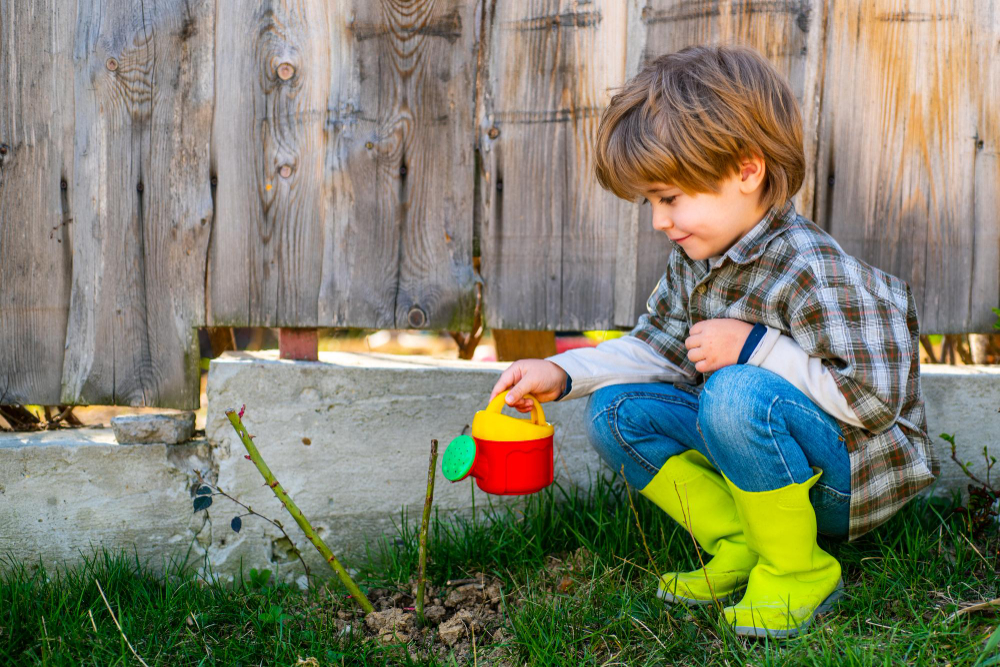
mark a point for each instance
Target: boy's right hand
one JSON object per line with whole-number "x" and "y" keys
{"x": 542, "y": 379}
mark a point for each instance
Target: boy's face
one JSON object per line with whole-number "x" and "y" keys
{"x": 707, "y": 224}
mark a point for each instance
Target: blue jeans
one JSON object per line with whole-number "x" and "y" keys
{"x": 752, "y": 424}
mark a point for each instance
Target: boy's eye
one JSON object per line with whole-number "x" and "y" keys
{"x": 668, "y": 200}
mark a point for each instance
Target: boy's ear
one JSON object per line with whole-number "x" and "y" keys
{"x": 751, "y": 174}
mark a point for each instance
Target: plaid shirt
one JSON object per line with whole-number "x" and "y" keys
{"x": 789, "y": 274}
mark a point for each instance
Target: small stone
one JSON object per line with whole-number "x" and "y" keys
{"x": 435, "y": 613}
{"x": 457, "y": 626}
{"x": 170, "y": 429}
{"x": 464, "y": 596}
{"x": 391, "y": 625}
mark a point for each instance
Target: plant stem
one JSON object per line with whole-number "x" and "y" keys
{"x": 422, "y": 570}
{"x": 296, "y": 513}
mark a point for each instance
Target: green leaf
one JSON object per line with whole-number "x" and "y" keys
{"x": 204, "y": 491}
{"x": 202, "y": 503}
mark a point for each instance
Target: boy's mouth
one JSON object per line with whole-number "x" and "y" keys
{"x": 681, "y": 238}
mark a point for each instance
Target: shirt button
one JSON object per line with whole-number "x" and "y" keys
{"x": 700, "y": 289}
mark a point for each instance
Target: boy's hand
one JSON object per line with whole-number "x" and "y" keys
{"x": 715, "y": 344}
{"x": 538, "y": 377}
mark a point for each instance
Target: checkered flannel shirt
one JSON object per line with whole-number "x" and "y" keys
{"x": 789, "y": 274}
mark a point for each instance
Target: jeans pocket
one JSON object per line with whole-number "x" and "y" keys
{"x": 833, "y": 510}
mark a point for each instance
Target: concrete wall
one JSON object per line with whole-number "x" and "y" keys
{"x": 369, "y": 420}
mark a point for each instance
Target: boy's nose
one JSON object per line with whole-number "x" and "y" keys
{"x": 662, "y": 223}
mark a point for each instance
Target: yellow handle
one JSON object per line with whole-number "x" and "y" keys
{"x": 537, "y": 415}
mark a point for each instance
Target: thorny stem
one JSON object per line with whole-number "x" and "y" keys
{"x": 422, "y": 569}
{"x": 273, "y": 522}
{"x": 296, "y": 513}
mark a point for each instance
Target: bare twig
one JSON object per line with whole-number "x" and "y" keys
{"x": 978, "y": 606}
{"x": 638, "y": 525}
{"x": 925, "y": 342}
{"x": 113, "y": 618}
{"x": 428, "y": 500}
{"x": 293, "y": 509}
{"x": 467, "y": 342}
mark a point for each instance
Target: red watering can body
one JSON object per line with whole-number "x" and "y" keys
{"x": 506, "y": 456}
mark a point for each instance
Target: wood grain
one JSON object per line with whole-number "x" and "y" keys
{"x": 141, "y": 200}
{"x": 268, "y": 137}
{"x": 399, "y": 159}
{"x": 36, "y": 157}
{"x": 549, "y": 232}
{"x": 909, "y": 150}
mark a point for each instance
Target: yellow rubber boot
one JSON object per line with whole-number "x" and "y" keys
{"x": 696, "y": 496}
{"x": 794, "y": 579}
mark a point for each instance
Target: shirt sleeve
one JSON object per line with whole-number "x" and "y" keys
{"x": 665, "y": 325}
{"x": 780, "y": 354}
{"x": 863, "y": 340}
{"x": 617, "y": 361}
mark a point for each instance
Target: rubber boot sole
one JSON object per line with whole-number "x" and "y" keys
{"x": 670, "y": 598}
{"x": 825, "y": 606}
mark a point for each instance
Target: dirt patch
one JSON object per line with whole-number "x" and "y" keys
{"x": 464, "y": 617}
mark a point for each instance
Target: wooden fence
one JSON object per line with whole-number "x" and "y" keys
{"x": 169, "y": 164}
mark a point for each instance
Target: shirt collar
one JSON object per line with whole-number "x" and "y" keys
{"x": 754, "y": 242}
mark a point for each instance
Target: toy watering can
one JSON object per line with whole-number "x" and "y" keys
{"x": 507, "y": 456}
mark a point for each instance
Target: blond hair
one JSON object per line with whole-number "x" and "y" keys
{"x": 689, "y": 118}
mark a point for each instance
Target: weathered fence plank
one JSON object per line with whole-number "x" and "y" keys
{"x": 400, "y": 154}
{"x": 267, "y": 138}
{"x": 909, "y": 145}
{"x": 141, "y": 200}
{"x": 549, "y": 237}
{"x": 372, "y": 225}
{"x": 36, "y": 163}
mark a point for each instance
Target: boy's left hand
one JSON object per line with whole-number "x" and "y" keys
{"x": 715, "y": 344}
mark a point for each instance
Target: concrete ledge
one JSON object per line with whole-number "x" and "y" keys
{"x": 368, "y": 420}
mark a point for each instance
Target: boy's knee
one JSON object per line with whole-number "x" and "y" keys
{"x": 598, "y": 404}
{"x": 733, "y": 396}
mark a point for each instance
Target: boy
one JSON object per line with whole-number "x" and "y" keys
{"x": 773, "y": 388}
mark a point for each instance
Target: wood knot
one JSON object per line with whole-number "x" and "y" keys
{"x": 416, "y": 317}
{"x": 4, "y": 148}
{"x": 63, "y": 185}
{"x": 402, "y": 170}
{"x": 112, "y": 64}
{"x": 286, "y": 71}
{"x": 285, "y": 171}
{"x": 139, "y": 187}
{"x": 494, "y": 132}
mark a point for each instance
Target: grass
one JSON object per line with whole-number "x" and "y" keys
{"x": 578, "y": 590}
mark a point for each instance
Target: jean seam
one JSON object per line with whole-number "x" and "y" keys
{"x": 774, "y": 442}
{"x": 832, "y": 492}
{"x": 613, "y": 425}
{"x": 811, "y": 411}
